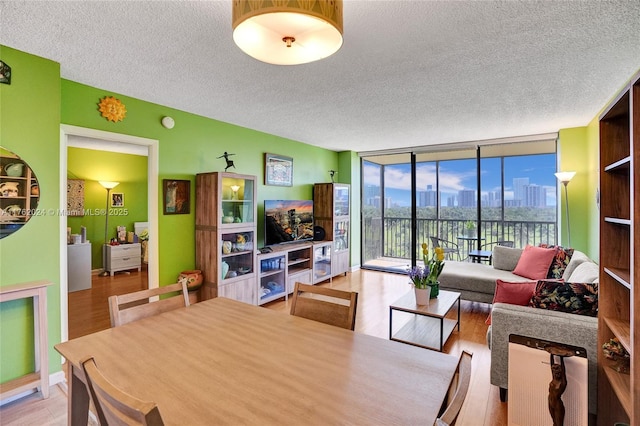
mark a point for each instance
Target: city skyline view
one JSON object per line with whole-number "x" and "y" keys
{"x": 531, "y": 177}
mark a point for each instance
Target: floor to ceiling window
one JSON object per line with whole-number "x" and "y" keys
{"x": 465, "y": 198}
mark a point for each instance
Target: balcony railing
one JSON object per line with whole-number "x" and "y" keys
{"x": 391, "y": 238}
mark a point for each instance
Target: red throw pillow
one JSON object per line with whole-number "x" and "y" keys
{"x": 515, "y": 293}
{"x": 535, "y": 262}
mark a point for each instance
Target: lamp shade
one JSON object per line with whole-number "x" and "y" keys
{"x": 565, "y": 177}
{"x": 108, "y": 185}
{"x": 288, "y": 32}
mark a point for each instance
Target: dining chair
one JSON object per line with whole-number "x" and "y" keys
{"x": 449, "y": 247}
{"x": 130, "y": 307}
{"x": 457, "y": 391}
{"x": 113, "y": 406}
{"x": 327, "y": 305}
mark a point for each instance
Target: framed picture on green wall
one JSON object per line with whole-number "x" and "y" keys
{"x": 176, "y": 196}
{"x": 278, "y": 170}
{"x": 117, "y": 199}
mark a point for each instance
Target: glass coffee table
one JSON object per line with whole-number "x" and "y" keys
{"x": 428, "y": 326}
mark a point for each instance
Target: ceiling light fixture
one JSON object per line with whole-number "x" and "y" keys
{"x": 288, "y": 32}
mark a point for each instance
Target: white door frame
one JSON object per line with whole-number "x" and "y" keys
{"x": 152, "y": 206}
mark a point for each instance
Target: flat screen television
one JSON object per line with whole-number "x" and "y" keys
{"x": 287, "y": 221}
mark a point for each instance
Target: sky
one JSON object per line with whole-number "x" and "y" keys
{"x": 456, "y": 175}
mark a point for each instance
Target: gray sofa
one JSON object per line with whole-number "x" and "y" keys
{"x": 561, "y": 327}
{"x": 477, "y": 281}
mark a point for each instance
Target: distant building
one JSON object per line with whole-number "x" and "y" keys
{"x": 467, "y": 198}
{"x": 535, "y": 196}
{"x": 518, "y": 188}
{"x": 491, "y": 199}
{"x": 421, "y": 198}
{"x": 371, "y": 192}
{"x": 373, "y": 201}
{"x": 431, "y": 197}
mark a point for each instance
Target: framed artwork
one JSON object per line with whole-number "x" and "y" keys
{"x": 5, "y": 73}
{"x": 278, "y": 170}
{"x": 75, "y": 197}
{"x": 176, "y": 196}
{"x": 117, "y": 199}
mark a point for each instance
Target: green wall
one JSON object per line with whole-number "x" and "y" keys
{"x": 31, "y": 111}
{"x": 131, "y": 173}
{"x": 30, "y": 127}
{"x": 192, "y": 147}
{"x": 593, "y": 222}
{"x": 574, "y": 154}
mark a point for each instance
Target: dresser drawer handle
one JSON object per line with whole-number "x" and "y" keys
{"x": 126, "y": 258}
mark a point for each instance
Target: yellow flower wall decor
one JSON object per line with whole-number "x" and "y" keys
{"x": 112, "y": 109}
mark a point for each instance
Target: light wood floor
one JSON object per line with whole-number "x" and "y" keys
{"x": 88, "y": 313}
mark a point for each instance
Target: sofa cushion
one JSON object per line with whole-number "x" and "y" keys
{"x": 515, "y": 293}
{"x": 535, "y": 262}
{"x": 505, "y": 258}
{"x": 475, "y": 281}
{"x": 586, "y": 272}
{"x": 573, "y": 298}
{"x": 560, "y": 261}
{"x": 577, "y": 258}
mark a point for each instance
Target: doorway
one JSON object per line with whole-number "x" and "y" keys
{"x": 107, "y": 141}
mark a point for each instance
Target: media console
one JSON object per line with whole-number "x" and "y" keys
{"x": 284, "y": 265}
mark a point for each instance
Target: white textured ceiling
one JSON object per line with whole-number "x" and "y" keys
{"x": 410, "y": 73}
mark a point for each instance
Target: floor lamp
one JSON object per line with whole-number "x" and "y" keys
{"x": 565, "y": 178}
{"x": 108, "y": 186}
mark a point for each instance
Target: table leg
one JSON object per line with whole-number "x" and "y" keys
{"x": 390, "y": 322}
{"x": 78, "y": 403}
{"x": 458, "y": 315}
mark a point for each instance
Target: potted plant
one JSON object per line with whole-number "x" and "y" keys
{"x": 425, "y": 279}
{"x": 470, "y": 227}
{"x": 421, "y": 288}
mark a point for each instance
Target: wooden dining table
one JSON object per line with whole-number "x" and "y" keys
{"x": 225, "y": 362}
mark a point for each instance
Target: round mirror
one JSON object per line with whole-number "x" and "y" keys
{"x": 19, "y": 193}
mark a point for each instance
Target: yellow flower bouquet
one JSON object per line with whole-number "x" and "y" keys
{"x": 427, "y": 276}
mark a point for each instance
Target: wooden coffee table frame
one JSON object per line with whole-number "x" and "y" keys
{"x": 419, "y": 330}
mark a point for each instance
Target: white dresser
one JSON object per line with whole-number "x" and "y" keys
{"x": 123, "y": 257}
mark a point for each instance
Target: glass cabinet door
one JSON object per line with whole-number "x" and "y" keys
{"x": 237, "y": 200}
{"x": 341, "y": 200}
{"x": 341, "y": 235}
{"x": 322, "y": 262}
{"x": 272, "y": 279}
{"x": 237, "y": 254}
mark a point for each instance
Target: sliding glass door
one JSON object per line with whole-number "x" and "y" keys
{"x": 386, "y": 212}
{"x": 463, "y": 199}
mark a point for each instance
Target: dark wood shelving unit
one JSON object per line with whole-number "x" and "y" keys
{"x": 619, "y": 291}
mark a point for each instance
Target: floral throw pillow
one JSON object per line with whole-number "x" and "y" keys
{"x": 574, "y": 298}
{"x": 559, "y": 262}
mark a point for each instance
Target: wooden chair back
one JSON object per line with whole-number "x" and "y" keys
{"x": 129, "y": 307}
{"x": 115, "y": 407}
{"x": 457, "y": 391}
{"x": 327, "y": 305}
